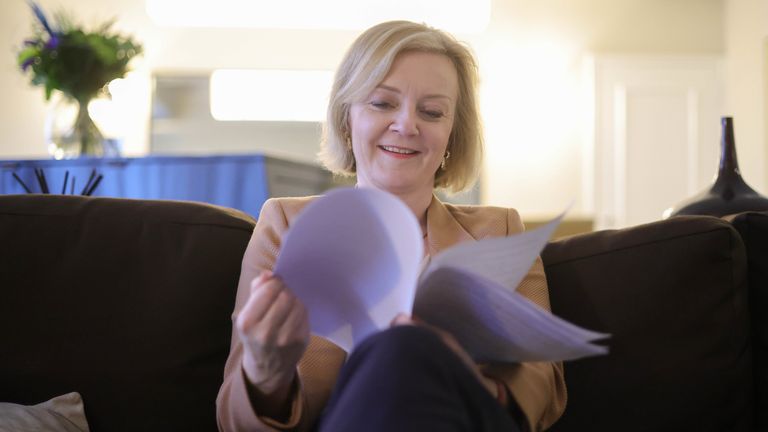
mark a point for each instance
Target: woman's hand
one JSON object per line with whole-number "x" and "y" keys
{"x": 453, "y": 344}
{"x": 274, "y": 329}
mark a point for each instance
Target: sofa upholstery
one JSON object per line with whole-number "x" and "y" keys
{"x": 753, "y": 228}
{"x": 128, "y": 302}
{"x": 673, "y": 294}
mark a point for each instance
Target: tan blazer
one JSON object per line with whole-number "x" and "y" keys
{"x": 538, "y": 388}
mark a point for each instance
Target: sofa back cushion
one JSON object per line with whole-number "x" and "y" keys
{"x": 673, "y": 295}
{"x": 753, "y": 227}
{"x": 127, "y": 302}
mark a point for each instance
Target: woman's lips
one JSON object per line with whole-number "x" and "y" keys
{"x": 399, "y": 152}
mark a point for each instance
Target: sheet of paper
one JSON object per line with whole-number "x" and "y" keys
{"x": 505, "y": 260}
{"x": 495, "y": 324}
{"x": 353, "y": 259}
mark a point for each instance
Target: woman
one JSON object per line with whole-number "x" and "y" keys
{"x": 403, "y": 118}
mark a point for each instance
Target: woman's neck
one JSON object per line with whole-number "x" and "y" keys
{"x": 418, "y": 201}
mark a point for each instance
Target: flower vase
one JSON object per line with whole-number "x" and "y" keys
{"x": 70, "y": 131}
{"x": 729, "y": 193}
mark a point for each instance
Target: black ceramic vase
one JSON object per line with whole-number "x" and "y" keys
{"x": 730, "y": 193}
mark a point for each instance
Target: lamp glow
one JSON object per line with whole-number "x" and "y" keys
{"x": 269, "y": 95}
{"x": 462, "y": 16}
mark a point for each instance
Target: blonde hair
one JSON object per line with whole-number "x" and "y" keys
{"x": 367, "y": 63}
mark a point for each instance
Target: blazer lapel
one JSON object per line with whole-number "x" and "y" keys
{"x": 443, "y": 231}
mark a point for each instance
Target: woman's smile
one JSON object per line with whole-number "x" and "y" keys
{"x": 399, "y": 152}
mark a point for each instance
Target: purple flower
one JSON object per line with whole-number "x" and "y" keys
{"x": 41, "y": 17}
{"x": 27, "y": 63}
{"x": 52, "y": 43}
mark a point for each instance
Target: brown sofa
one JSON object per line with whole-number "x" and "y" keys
{"x": 128, "y": 303}
{"x": 676, "y": 296}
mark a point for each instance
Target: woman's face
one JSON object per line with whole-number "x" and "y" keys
{"x": 401, "y": 130}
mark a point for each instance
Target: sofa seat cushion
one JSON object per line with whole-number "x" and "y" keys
{"x": 126, "y": 302}
{"x": 673, "y": 295}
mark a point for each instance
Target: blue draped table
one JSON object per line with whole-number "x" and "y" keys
{"x": 243, "y": 182}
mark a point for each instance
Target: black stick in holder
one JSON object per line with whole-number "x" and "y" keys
{"x": 22, "y": 183}
{"x": 90, "y": 186}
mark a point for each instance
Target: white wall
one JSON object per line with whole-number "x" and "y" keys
{"x": 746, "y": 90}
{"x": 530, "y": 57}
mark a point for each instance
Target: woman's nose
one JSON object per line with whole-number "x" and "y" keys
{"x": 405, "y": 121}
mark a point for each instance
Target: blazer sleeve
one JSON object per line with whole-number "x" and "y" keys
{"x": 537, "y": 387}
{"x": 317, "y": 369}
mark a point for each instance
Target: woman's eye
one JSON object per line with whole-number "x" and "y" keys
{"x": 433, "y": 114}
{"x": 381, "y": 104}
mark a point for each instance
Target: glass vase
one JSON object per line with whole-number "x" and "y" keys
{"x": 70, "y": 131}
{"x": 729, "y": 193}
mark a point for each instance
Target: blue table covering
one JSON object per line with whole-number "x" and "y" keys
{"x": 237, "y": 181}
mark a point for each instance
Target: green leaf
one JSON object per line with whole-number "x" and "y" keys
{"x": 105, "y": 51}
{"x": 27, "y": 53}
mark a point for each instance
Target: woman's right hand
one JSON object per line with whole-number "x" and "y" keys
{"x": 274, "y": 329}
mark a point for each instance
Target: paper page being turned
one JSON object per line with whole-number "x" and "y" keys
{"x": 352, "y": 257}
{"x": 470, "y": 291}
{"x": 505, "y": 260}
{"x": 493, "y": 323}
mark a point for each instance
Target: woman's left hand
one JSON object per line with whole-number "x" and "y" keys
{"x": 453, "y": 344}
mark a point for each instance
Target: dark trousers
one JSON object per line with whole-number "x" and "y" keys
{"x": 406, "y": 379}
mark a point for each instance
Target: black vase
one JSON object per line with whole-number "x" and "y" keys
{"x": 730, "y": 193}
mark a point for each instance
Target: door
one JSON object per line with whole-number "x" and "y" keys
{"x": 656, "y": 134}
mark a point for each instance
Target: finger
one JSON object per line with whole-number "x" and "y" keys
{"x": 304, "y": 326}
{"x": 296, "y": 326}
{"x": 274, "y": 320}
{"x": 401, "y": 319}
{"x": 417, "y": 320}
{"x": 263, "y": 277}
{"x": 444, "y": 335}
{"x": 297, "y": 316}
{"x": 282, "y": 308}
{"x": 259, "y": 303}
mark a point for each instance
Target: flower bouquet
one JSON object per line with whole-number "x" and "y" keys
{"x": 62, "y": 56}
